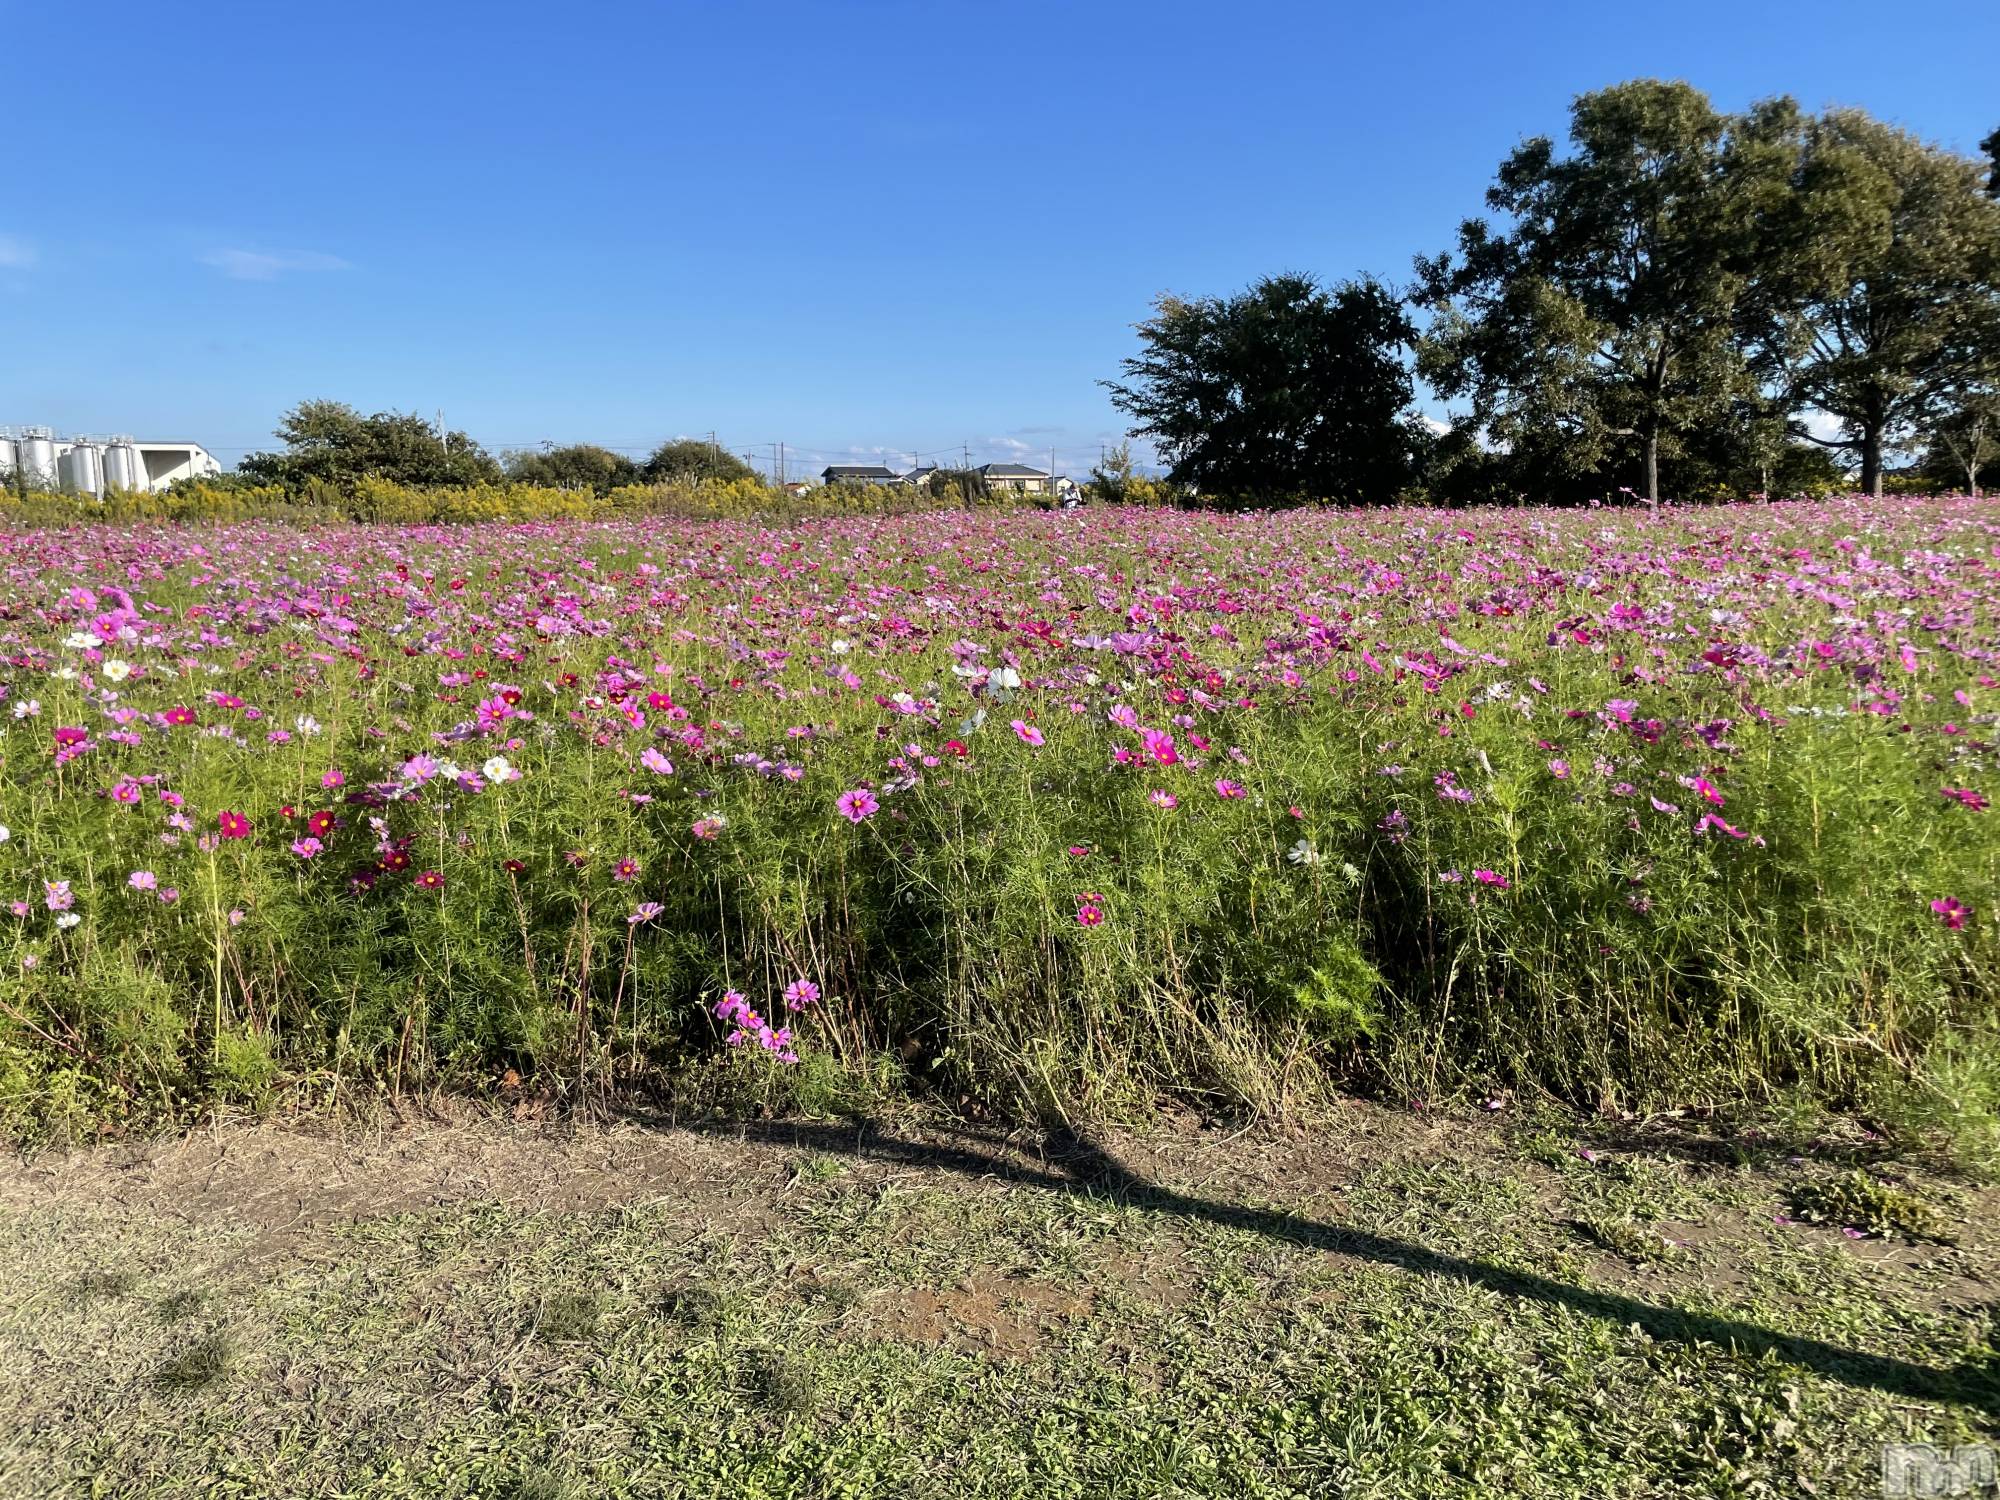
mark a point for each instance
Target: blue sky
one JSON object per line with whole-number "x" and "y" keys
{"x": 850, "y": 226}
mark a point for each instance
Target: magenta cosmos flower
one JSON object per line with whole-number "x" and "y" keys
{"x": 1951, "y": 911}
{"x": 1028, "y": 733}
{"x": 1228, "y": 790}
{"x": 858, "y": 804}
{"x": 233, "y": 825}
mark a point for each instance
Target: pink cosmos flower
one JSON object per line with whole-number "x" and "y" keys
{"x": 1028, "y": 733}
{"x": 858, "y": 804}
{"x": 142, "y": 880}
{"x": 625, "y": 869}
{"x": 1951, "y": 911}
{"x": 1160, "y": 797}
{"x": 655, "y": 762}
{"x": 1227, "y": 790}
{"x": 800, "y": 993}
{"x": 645, "y": 911}
{"x": 1493, "y": 878}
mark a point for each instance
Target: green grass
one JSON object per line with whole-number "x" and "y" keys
{"x": 1401, "y": 1309}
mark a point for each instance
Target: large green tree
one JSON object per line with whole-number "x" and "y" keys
{"x": 689, "y": 460}
{"x": 1991, "y": 146}
{"x": 1598, "y": 316}
{"x": 575, "y": 466}
{"x": 1286, "y": 391}
{"x": 1878, "y": 280}
{"x": 329, "y": 442}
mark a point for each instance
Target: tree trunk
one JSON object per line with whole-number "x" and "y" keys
{"x": 1653, "y": 468}
{"x": 1871, "y": 459}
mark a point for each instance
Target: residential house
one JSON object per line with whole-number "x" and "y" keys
{"x": 859, "y": 474}
{"x": 1017, "y": 477}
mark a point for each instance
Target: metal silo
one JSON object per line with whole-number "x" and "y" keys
{"x": 36, "y": 454}
{"x": 6, "y": 460}
{"x": 83, "y": 470}
{"x": 122, "y": 467}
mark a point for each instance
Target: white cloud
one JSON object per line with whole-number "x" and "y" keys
{"x": 260, "y": 265}
{"x": 16, "y": 254}
{"x": 1822, "y": 425}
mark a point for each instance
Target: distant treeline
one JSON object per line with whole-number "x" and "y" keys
{"x": 1686, "y": 303}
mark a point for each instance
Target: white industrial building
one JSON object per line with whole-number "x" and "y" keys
{"x": 35, "y": 458}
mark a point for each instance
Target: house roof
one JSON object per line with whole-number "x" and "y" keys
{"x": 859, "y": 471}
{"x": 1012, "y": 471}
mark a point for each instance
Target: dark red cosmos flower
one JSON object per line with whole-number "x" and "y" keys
{"x": 395, "y": 859}
{"x": 430, "y": 880}
{"x": 514, "y": 866}
{"x": 320, "y": 824}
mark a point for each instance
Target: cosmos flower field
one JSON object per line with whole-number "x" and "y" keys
{"x": 1071, "y": 812}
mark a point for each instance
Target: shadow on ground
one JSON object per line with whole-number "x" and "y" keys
{"x": 1068, "y": 1161}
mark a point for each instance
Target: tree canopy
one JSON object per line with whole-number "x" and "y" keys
{"x": 1286, "y": 391}
{"x": 1882, "y": 270}
{"x": 329, "y": 442}
{"x": 1599, "y": 315}
{"x": 694, "y": 459}
{"x": 576, "y": 466}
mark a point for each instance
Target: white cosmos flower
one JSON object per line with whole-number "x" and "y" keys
{"x": 499, "y": 769}
{"x": 82, "y": 640}
{"x": 6, "y": 833}
{"x": 117, "y": 670}
{"x": 841, "y": 648}
{"x": 27, "y": 708}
